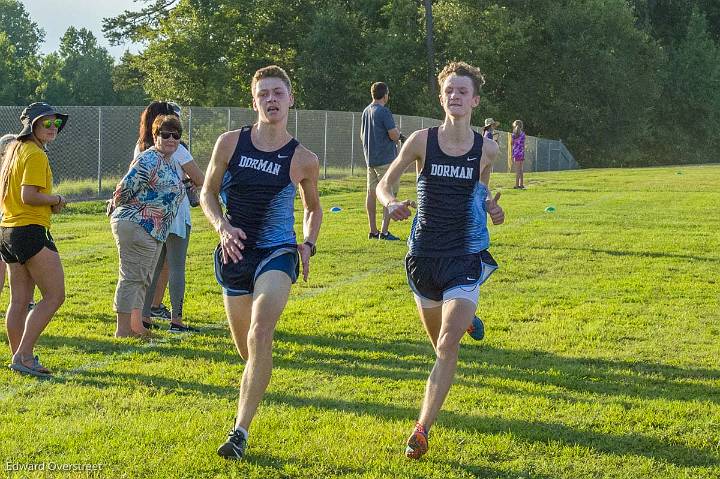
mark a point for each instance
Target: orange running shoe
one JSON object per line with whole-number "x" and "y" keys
{"x": 417, "y": 443}
{"x": 476, "y": 329}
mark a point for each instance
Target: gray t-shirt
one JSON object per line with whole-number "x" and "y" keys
{"x": 379, "y": 149}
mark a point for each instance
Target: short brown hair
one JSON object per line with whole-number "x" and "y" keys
{"x": 378, "y": 90}
{"x": 463, "y": 69}
{"x": 272, "y": 71}
{"x": 166, "y": 122}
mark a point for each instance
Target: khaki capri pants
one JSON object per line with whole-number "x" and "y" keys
{"x": 139, "y": 253}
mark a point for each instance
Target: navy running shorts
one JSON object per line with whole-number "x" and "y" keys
{"x": 431, "y": 278}
{"x": 238, "y": 279}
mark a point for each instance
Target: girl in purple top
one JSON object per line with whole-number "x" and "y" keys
{"x": 518, "y": 152}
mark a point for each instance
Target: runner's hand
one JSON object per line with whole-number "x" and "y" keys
{"x": 231, "y": 242}
{"x": 400, "y": 210}
{"x": 497, "y": 215}
{"x": 304, "y": 251}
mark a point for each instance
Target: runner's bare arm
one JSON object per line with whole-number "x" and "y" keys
{"x": 412, "y": 151}
{"x": 230, "y": 237}
{"x": 307, "y": 174}
{"x": 489, "y": 155}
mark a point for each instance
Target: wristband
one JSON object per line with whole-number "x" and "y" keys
{"x": 313, "y": 249}
{"x": 59, "y": 200}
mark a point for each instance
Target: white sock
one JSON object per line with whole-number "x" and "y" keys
{"x": 243, "y": 431}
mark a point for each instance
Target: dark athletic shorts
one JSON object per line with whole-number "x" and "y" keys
{"x": 238, "y": 279}
{"x": 432, "y": 278}
{"x": 20, "y": 243}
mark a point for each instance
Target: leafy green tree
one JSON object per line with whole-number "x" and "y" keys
{"x": 12, "y": 74}
{"x": 202, "y": 52}
{"x": 668, "y": 20}
{"x": 127, "y": 80}
{"x": 396, "y": 55}
{"x": 596, "y": 73}
{"x": 324, "y": 76}
{"x": 24, "y": 34}
{"x": 688, "y": 120}
{"x": 79, "y": 73}
{"x": 585, "y": 81}
{"x": 21, "y": 38}
{"x": 52, "y": 86}
{"x": 87, "y": 68}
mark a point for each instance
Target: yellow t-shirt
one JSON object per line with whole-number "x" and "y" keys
{"x": 31, "y": 167}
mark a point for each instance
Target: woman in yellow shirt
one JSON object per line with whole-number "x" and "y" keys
{"x": 26, "y": 245}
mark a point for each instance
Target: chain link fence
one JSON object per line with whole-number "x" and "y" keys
{"x": 95, "y": 148}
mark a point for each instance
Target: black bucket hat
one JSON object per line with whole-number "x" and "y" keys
{"x": 38, "y": 110}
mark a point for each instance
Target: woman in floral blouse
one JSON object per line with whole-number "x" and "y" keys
{"x": 146, "y": 201}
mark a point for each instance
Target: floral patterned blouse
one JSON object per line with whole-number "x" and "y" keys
{"x": 149, "y": 194}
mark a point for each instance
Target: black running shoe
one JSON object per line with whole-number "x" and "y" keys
{"x": 152, "y": 325}
{"x": 179, "y": 328}
{"x": 234, "y": 447}
{"x": 389, "y": 237}
{"x": 160, "y": 312}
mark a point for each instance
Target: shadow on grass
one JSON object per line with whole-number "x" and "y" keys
{"x": 313, "y": 469}
{"x": 528, "y": 431}
{"x": 610, "y": 252}
{"x": 481, "y": 471}
{"x": 357, "y": 356}
{"x": 178, "y": 386}
{"x": 414, "y": 359}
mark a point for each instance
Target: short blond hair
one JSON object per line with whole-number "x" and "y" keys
{"x": 462, "y": 69}
{"x": 271, "y": 71}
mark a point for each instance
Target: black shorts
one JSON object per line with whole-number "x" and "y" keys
{"x": 431, "y": 277}
{"x": 20, "y": 243}
{"x": 238, "y": 279}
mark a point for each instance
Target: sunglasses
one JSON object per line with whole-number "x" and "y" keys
{"x": 167, "y": 134}
{"x": 49, "y": 123}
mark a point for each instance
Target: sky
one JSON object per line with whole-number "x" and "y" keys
{"x": 56, "y": 16}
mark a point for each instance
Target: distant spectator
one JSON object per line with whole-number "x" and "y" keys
{"x": 26, "y": 244}
{"x": 380, "y": 139}
{"x": 518, "y": 153}
{"x": 489, "y": 128}
{"x": 171, "y": 264}
{"x": 146, "y": 203}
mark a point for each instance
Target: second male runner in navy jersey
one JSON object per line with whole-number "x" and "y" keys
{"x": 448, "y": 258}
{"x": 257, "y": 170}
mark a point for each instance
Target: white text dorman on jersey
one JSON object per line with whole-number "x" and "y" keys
{"x": 262, "y": 165}
{"x": 464, "y": 172}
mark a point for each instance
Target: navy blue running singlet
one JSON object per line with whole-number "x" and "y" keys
{"x": 451, "y": 214}
{"x": 258, "y": 193}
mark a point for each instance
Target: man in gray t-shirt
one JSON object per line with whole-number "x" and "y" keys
{"x": 380, "y": 139}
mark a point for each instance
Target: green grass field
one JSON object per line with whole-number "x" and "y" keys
{"x": 601, "y": 357}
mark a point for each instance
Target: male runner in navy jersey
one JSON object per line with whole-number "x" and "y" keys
{"x": 448, "y": 258}
{"x": 257, "y": 170}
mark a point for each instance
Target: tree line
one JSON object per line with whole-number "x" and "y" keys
{"x": 621, "y": 82}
